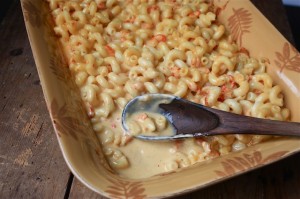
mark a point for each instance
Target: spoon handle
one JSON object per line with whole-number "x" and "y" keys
{"x": 233, "y": 123}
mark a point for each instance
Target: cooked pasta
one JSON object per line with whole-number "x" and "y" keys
{"x": 117, "y": 50}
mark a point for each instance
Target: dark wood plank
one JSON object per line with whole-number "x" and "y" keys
{"x": 31, "y": 163}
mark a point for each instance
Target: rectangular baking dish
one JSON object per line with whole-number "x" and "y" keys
{"x": 80, "y": 146}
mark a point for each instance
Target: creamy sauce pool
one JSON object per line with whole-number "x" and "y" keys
{"x": 145, "y": 158}
{"x": 143, "y": 116}
{"x": 148, "y": 158}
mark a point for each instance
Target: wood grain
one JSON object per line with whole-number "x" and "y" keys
{"x": 189, "y": 118}
{"x": 31, "y": 164}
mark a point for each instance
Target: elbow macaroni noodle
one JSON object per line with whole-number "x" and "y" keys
{"x": 118, "y": 50}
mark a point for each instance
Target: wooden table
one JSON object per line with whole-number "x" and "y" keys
{"x": 31, "y": 163}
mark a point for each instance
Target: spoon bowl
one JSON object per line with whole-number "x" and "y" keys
{"x": 194, "y": 120}
{"x": 147, "y": 103}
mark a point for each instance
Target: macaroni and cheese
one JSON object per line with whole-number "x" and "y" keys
{"x": 117, "y": 50}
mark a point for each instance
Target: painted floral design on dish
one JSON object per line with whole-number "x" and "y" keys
{"x": 59, "y": 67}
{"x": 68, "y": 120}
{"x": 32, "y": 14}
{"x": 64, "y": 123}
{"x": 125, "y": 189}
{"x": 240, "y": 23}
{"x": 246, "y": 161}
{"x": 288, "y": 58}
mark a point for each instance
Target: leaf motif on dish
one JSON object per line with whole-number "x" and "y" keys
{"x": 61, "y": 71}
{"x": 289, "y": 58}
{"x": 245, "y": 162}
{"x": 59, "y": 67}
{"x": 32, "y": 14}
{"x": 125, "y": 189}
{"x": 66, "y": 121}
{"x": 239, "y": 23}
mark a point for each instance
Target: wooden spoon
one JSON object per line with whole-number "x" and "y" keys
{"x": 193, "y": 120}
